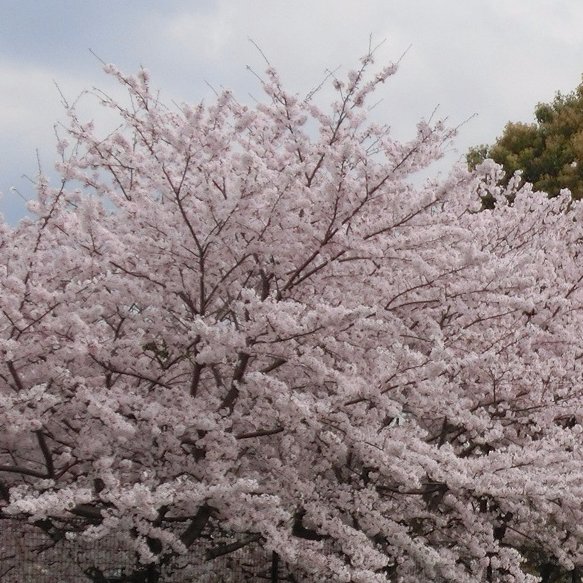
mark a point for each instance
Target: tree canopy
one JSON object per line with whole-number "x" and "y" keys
{"x": 548, "y": 152}
{"x": 234, "y": 325}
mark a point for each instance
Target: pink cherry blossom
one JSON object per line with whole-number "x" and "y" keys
{"x": 256, "y": 322}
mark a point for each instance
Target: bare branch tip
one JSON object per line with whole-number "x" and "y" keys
{"x": 259, "y": 50}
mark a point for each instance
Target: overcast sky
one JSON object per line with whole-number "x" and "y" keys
{"x": 493, "y": 58}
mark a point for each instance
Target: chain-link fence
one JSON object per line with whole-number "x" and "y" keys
{"x": 30, "y": 555}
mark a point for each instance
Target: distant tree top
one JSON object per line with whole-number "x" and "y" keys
{"x": 549, "y": 152}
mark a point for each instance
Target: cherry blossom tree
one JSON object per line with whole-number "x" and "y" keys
{"x": 235, "y": 325}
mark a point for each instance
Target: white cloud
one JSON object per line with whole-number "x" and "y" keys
{"x": 203, "y": 36}
{"x": 544, "y": 20}
{"x": 28, "y": 101}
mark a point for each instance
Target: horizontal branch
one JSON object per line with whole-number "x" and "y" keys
{"x": 276, "y": 364}
{"x": 87, "y": 511}
{"x": 259, "y": 433}
{"x": 24, "y": 471}
{"x": 232, "y": 547}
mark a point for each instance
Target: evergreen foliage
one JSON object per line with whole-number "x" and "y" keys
{"x": 548, "y": 152}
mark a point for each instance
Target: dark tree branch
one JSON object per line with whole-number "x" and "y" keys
{"x": 195, "y": 379}
{"x": 260, "y": 433}
{"x": 47, "y": 454}
{"x": 5, "y": 491}
{"x": 24, "y": 471}
{"x": 275, "y": 364}
{"x": 232, "y": 547}
{"x": 229, "y": 400}
{"x": 274, "y": 567}
{"x": 87, "y": 511}
{"x": 196, "y": 526}
{"x": 15, "y": 375}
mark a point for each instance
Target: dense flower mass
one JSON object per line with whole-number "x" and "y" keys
{"x": 252, "y": 320}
